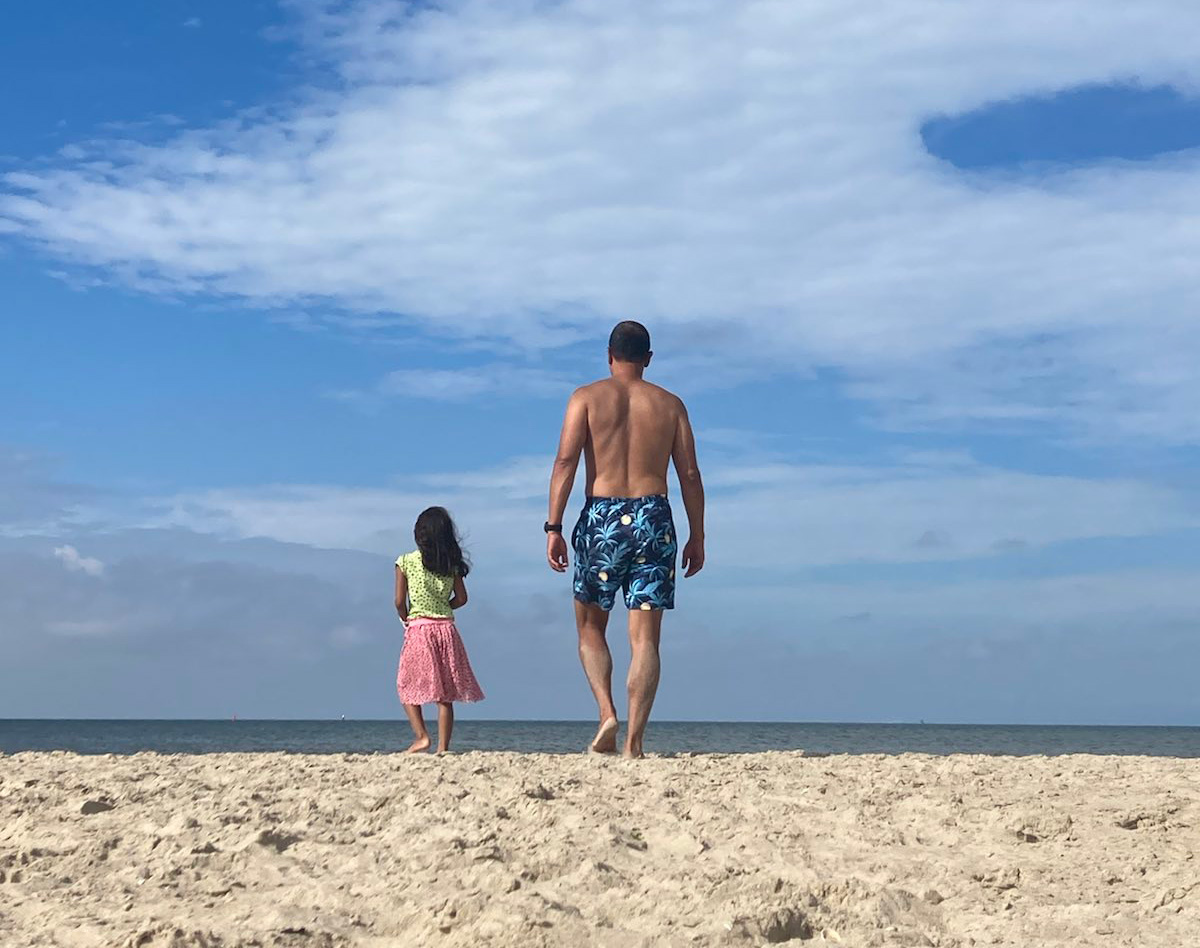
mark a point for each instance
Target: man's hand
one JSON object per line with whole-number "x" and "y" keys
{"x": 693, "y": 556}
{"x": 556, "y": 552}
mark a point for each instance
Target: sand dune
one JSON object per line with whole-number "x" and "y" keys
{"x": 530, "y": 850}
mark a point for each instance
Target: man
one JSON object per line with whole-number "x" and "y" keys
{"x": 628, "y": 429}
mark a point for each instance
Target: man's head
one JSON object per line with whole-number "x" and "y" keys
{"x": 629, "y": 342}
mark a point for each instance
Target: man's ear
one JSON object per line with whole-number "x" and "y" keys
{"x": 610, "y": 358}
{"x": 649, "y": 356}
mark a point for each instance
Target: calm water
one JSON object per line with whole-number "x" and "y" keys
{"x": 665, "y": 737}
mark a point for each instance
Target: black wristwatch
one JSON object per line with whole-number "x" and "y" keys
{"x": 552, "y": 527}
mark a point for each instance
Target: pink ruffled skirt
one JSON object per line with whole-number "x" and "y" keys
{"x": 434, "y": 664}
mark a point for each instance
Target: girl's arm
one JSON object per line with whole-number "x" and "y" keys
{"x": 401, "y": 594}
{"x": 459, "y": 599}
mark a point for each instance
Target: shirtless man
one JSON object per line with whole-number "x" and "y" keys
{"x": 628, "y": 430}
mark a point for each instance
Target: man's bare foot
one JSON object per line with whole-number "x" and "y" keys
{"x": 605, "y": 741}
{"x": 630, "y": 754}
{"x": 419, "y": 746}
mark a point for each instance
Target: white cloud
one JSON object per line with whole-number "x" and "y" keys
{"x": 779, "y": 515}
{"x": 70, "y": 558}
{"x": 186, "y": 626}
{"x": 193, "y": 22}
{"x": 463, "y": 385}
{"x": 32, "y": 498}
{"x": 808, "y": 515}
{"x": 276, "y": 629}
{"x": 748, "y": 177}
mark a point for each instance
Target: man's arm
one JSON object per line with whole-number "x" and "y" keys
{"x": 562, "y": 477}
{"x": 683, "y": 455}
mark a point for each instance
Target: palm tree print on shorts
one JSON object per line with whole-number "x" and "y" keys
{"x": 626, "y": 544}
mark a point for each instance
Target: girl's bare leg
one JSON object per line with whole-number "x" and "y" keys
{"x": 445, "y": 725}
{"x": 421, "y": 740}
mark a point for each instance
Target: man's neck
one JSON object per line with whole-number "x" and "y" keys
{"x": 627, "y": 371}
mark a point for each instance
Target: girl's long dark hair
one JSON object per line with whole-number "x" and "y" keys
{"x": 438, "y": 542}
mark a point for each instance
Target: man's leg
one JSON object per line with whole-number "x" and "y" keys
{"x": 645, "y": 629}
{"x": 592, "y": 621}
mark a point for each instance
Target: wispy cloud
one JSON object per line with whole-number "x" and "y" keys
{"x": 265, "y": 634}
{"x": 32, "y": 497}
{"x": 462, "y": 385}
{"x": 519, "y": 172}
{"x": 196, "y": 630}
{"x": 783, "y": 515}
{"x": 277, "y": 599}
{"x": 73, "y": 561}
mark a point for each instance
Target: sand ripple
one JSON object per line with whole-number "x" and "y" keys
{"x": 240, "y": 850}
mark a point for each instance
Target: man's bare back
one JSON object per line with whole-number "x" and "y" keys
{"x": 628, "y": 430}
{"x": 625, "y": 542}
{"x": 632, "y": 427}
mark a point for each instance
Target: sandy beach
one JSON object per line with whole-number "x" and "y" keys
{"x": 527, "y": 850}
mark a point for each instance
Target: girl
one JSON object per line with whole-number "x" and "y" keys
{"x": 433, "y": 663}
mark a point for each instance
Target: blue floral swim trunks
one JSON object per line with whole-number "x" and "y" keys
{"x": 629, "y": 544}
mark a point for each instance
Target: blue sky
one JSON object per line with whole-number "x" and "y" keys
{"x": 278, "y": 276}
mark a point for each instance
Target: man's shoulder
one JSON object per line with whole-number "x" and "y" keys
{"x": 607, "y": 387}
{"x": 588, "y": 390}
{"x": 665, "y": 392}
{"x": 663, "y": 395}
{"x": 597, "y": 390}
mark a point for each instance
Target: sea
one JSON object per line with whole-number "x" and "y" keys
{"x": 569, "y": 737}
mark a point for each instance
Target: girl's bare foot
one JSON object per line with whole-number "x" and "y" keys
{"x": 605, "y": 741}
{"x": 419, "y": 746}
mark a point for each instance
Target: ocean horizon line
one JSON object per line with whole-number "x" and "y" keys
{"x": 239, "y": 719}
{"x": 371, "y": 735}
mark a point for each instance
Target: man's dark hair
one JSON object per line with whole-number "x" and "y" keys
{"x": 629, "y": 342}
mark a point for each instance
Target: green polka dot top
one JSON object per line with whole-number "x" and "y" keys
{"x": 428, "y": 593}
